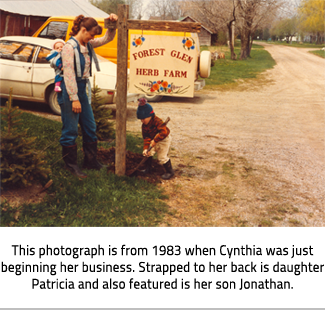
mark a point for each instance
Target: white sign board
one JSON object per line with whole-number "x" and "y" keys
{"x": 163, "y": 65}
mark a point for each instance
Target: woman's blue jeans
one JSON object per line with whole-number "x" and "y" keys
{"x": 70, "y": 119}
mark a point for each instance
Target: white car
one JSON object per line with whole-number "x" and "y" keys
{"x": 25, "y": 69}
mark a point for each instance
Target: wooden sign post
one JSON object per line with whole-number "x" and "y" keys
{"x": 123, "y": 26}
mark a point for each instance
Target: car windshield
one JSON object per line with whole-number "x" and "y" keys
{"x": 55, "y": 30}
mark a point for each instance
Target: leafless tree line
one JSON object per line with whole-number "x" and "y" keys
{"x": 247, "y": 15}
{"x": 244, "y": 17}
{"x": 222, "y": 15}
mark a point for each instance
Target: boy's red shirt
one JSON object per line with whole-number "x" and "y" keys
{"x": 154, "y": 130}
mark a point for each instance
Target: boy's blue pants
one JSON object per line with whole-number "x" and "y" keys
{"x": 70, "y": 119}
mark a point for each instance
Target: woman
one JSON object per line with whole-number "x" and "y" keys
{"x": 77, "y": 56}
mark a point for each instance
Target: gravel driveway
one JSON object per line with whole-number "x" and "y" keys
{"x": 252, "y": 156}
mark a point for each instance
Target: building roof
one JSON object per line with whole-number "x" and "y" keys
{"x": 52, "y": 8}
{"x": 194, "y": 20}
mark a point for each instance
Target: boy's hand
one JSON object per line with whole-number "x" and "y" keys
{"x": 152, "y": 143}
{"x": 145, "y": 152}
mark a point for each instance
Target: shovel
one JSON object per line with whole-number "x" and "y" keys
{"x": 132, "y": 172}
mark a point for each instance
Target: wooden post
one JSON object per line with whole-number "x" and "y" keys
{"x": 121, "y": 93}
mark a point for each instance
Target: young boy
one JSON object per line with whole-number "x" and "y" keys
{"x": 156, "y": 138}
{"x": 56, "y": 62}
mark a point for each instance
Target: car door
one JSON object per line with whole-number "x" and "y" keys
{"x": 43, "y": 74}
{"x": 16, "y": 68}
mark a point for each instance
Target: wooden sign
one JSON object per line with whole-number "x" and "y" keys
{"x": 162, "y": 65}
{"x": 123, "y": 25}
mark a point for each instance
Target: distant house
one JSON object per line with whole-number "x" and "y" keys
{"x": 24, "y": 17}
{"x": 205, "y": 34}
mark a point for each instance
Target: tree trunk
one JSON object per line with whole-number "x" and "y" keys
{"x": 251, "y": 43}
{"x": 244, "y": 43}
{"x": 248, "y": 44}
{"x": 231, "y": 46}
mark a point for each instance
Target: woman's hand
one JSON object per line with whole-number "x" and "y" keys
{"x": 112, "y": 17}
{"x": 76, "y": 107}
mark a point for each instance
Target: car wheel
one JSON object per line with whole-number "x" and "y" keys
{"x": 205, "y": 64}
{"x": 153, "y": 98}
{"x": 53, "y": 103}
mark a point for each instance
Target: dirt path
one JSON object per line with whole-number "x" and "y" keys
{"x": 254, "y": 156}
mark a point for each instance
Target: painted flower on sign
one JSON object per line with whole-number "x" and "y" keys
{"x": 138, "y": 41}
{"x": 162, "y": 86}
{"x": 155, "y": 86}
{"x": 188, "y": 43}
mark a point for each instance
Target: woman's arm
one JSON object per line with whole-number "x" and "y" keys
{"x": 67, "y": 54}
{"x": 100, "y": 41}
{"x": 109, "y": 35}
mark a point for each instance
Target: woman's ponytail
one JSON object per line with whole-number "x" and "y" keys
{"x": 76, "y": 25}
{"x": 87, "y": 22}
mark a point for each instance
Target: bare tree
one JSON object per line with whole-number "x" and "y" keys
{"x": 214, "y": 14}
{"x": 111, "y": 6}
{"x": 251, "y": 15}
{"x": 285, "y": 28}
{"x": 164, "y": 9}
{"x": 108, "y": 6}
{"x": 135, "y": 8}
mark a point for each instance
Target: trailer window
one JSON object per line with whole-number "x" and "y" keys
{"x": 54, "y": 30}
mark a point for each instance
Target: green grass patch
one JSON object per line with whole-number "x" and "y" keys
{"x": 99, "y": 200}
{"x": 226, "y": 71}
{"x": 320, "y": 53}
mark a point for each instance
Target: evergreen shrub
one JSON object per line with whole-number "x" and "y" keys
{"x": 21, "y": 163}
{"x": 102, "y": 115}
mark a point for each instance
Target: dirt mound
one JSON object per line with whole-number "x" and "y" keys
{"x": 107, "y": 157}
{"x": 15, "y": 196}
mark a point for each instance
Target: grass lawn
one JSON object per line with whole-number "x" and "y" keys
{"x": 99, "y": 200}
{"x": 320, "y": 53}
{"x": 227, "y": 71}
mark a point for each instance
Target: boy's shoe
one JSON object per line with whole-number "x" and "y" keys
{"x": 57, "y": 89}
{"x": 169, "y": 170}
